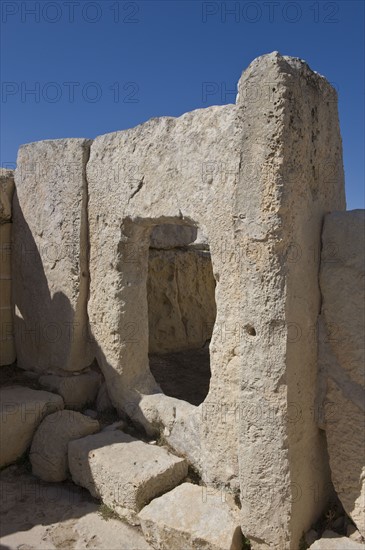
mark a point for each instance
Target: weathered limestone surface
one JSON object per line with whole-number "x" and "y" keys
{"x": 172, "y": 236}
{"x": 181, "y": 304}
{"x": 191, "y": 517}
{"x": 256, "y": 178}
{"x": 333, "y": 541}
{"x": 123, "y": 471}
{"x": 6, "y": 194}
{"x": 50, "y": 262}
{"x": 48, "y": 453}
{"x": 22, "y": 410}
{"x": 7, "y": 346}
{"x": 342, "y": 356}
{"x": 77, "y": 391}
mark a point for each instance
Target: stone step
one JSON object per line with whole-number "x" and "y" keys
{"x": 122, "y": 471}
{"x": 191, "y": 517}
{"x": 334, "y": 541}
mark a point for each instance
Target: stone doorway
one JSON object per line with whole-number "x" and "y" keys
{"x": 181, "y": 311}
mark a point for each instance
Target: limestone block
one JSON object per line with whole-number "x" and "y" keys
{"x": 77, "y": 391}
{"x": 191, "y": 517}
{"x": 341, "y": 356}
{"x": 22, "y": 410}
{"x": 257, "y": 178}
{"x": 5, "y": 250}
{"x": 6, "y": 194}
{"x": 103, "y": 402}
{"x": 171, "y": 236}
{"x": 50, "y": 268}
{"x": 181, "y": 300}
{"x": 123, "y": 471}
{"x": 333, "y": 541}
{"x": 48, "y": 453}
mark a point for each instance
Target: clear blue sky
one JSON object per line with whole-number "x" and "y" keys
{"x": 102, "y": 66}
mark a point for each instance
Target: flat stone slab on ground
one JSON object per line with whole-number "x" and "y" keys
{"x": 333, "y": 541}
{"x": 190, "y": 517}
{"x": 22, "y": 410}
{"x": 123, "y": 471}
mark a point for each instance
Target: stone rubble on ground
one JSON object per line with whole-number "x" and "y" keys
{"x": 48, "y": 453}
{"x": 22, "y": 410}
{"x": 333, "y": 541}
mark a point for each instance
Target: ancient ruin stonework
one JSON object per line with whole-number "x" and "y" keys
{"x": 212, "y": 219}
{"x": 342, "y": 356}
{"x": 7, "y": 346}
{"x": 51, "y": 265}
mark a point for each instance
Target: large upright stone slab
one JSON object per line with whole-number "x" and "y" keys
{"x": 342, "y": 356}
{"x": 6, "y": 194}
{"x": 50, "y": 260}
{"x": 181, "y": 303}
{"x": 123, "y": 471}
{"x": 256, "y": 178}
{"x": 7, "y": 346}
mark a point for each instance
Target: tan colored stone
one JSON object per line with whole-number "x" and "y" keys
{"x": 191, "y": 517}
{"x": 22, "y": 410}
{"x": 181, "y": 303}
{"x": 5, "y": 250}
{"x": 6, "y": 194}
{"x": 334, "y": 541}
{"x": 256, "y": 178}
{"x": 50, "y": 254}
{"x": 48, "y": 453}
{"x": 166, "y": 236}
{"x": 124, "y": 472}
{"x": 342, "y": 356}
{"x": 77, "y": 391}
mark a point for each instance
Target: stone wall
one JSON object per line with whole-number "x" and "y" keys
{"x": 7, "y": 347}
{"x": 252, "y": 183}
{"x": 181, "y": 299}
{"x": 342, "y": 356}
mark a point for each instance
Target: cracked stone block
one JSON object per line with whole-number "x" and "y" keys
{"x": 191, "y": 517}
{"x": 122, "y": 471}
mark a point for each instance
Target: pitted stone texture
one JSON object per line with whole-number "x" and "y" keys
{"x": 50, "y": 266}
{"x": 7, "y": 345}
{"x": 123, "y": 471}
{"x": 257, "y": 178}
{"x": 342, "y": 356}
{"x": 48, "y": 453}
{"x": 191, "y": 517}
{"x": 181, "y": 300}
{"x": 172, "y": 236}
{"x": 22, "y": 410}
{"x": 333, "y": 541}
{"x": 77, "y": 391}
{"x": 6, "y": 194}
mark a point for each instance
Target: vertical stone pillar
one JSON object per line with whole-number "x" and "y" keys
{"x": 7, "y": 346}
{"x": 291, "y": 175}
{"x": 50, "y": 260}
